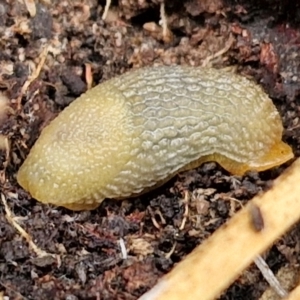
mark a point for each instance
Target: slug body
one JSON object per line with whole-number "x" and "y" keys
{"x": 134, "y": 132}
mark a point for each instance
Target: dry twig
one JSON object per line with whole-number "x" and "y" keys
{"x": 30, "y": 5}
{"x": 106, "y": 8}
{"x": 226, "y": 48}
{"x": 12, "y": 220}
{"x": 34, "y": 76}
{"x": 270, "y": 277}
{"x": 295, "y": 294}
{"x": 233, "y": 246}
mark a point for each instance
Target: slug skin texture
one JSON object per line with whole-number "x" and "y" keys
{"x": 134, "y": 132}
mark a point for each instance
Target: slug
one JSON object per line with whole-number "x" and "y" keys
{"x": 134, "y": 132}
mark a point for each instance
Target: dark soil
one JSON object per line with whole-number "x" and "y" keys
{"x": 88, "y": 262}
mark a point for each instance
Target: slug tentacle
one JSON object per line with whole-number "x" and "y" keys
{"x": 134, "y": 132}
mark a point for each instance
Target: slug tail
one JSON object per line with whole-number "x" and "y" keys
{"x": 277, "y": 155}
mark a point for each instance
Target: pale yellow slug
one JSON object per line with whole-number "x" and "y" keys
{"x": 134, "y": 132}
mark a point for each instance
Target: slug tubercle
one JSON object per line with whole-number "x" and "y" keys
{"x": 134, "y": 132}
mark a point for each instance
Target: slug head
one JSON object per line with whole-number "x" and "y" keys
{"x": 79, "y": 153}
